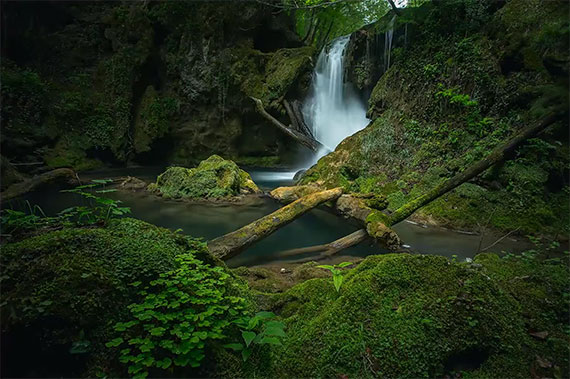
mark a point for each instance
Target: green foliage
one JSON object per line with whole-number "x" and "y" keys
{"x": 99, "y": 209}
{"x": 269, "y": 332}
{"x": 178, "y": 315}
{"x": 20, "y": 222}
{"x": 336, "y": 273}
{"x": 80, "y": 276}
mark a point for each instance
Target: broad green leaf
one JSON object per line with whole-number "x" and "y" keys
{"x": 271, "y": 340}
{"x": 264, "y": 315}
{"x": 234, "y": 346}
{"x": 344, "y": 264}
{"x": 245, "y": 354}
{"x": 114, "y": 343}
{"x": 248, "y": 337}
{"x": 337, "y": 280}
{"x": 102, "y": 181}
{"x": 328, "y": 267}
{"x": 275, "y": 331}
{"x": 157, "y": 331}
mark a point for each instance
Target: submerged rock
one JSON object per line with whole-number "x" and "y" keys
{"x": 133, "y": 184}
{"x": 214, "y": 178}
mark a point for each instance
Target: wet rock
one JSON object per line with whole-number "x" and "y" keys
{"x": 133, "y": 184}
{"x": 299, "y": 175}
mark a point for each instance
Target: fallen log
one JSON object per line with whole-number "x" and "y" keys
{"x": 497, "y": 155}
{"x": 328, "y": 249}
{"x": 31, "y": 184}
{"x": 303, "y": 139}
{"x": 233, "y": 243}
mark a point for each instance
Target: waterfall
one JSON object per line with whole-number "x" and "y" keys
{"x": 333, "y": 110}
{"x": 388, "y": 43}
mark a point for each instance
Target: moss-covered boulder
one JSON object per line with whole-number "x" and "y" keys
{"x": 63, "y": 291}
{"x": 214, "y": 178}
{"x": 403, "y": 315}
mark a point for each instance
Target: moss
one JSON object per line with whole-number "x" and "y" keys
{"x": 265, "y": 161}
{"x": 70, "y": 286}
{"x": 152, "y": 121}
{"x": 402, "y": 315}
{"x": 68, "y": 154}
{"x": 214, "y": 177}
{"x": 476, "y": 92}
{"x": 270, "y": 76}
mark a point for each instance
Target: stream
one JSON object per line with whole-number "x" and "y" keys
{"x": 210, "y": 220}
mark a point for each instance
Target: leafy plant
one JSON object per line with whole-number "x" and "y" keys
{"x": 18, "y": 221}
{"x": 179, "y": 313}
{"x": 337, "y": 274}
{"x": 99, "y": 209}
{"x": 271, "y": 331}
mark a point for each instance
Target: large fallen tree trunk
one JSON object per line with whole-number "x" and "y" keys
{"x": 305, "y": 140}
{"x": 233, "y": 243}
{"x": 31, "y": 184}
{"x": 496, "y": 156}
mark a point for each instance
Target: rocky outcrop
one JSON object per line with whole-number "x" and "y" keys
{"x": 147, "y": 81}
{"x": 214, "y": 178}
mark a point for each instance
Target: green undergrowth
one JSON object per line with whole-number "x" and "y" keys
{"x": 68, "y": 288}
{"x": 423, "y": 316}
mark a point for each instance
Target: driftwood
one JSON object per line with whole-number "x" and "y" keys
{"x": 329, "y": 249}
{"x": 28, "y": 185}
{"x": 305, "y": 140}
{"x": 233, "y": 243}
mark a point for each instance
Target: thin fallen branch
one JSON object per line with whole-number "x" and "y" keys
{"x": 500, "y": 239}
{"x": 328, "y": 249}
{"x": 309, "y": 142}
{"x": 233, "y": 243}
{"x": 31, "y": 184}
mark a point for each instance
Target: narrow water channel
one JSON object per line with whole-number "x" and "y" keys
{"x": 319, "y": 226}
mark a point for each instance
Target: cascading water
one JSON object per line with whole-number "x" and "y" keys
{"x": 388, "y": 44}
{"x": 333, "y": 110}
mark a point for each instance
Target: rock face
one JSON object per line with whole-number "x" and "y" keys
{"x": 214, "y": 178}
{"x": 100, "y": 83}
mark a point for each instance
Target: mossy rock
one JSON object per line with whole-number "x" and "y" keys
{"x": 66, "y": 288}
{"x": 401, "y": 315}
{"x": 214, "y": 178}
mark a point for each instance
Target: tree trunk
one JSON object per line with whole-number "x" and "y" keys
{"x": 29, "y": 185}
{"x": 496, "y": 156}
{"x": 309, "y": 142}
{"x": 394, "y": 7}
{"x": 330, "y": 248}
{"x": 233, "y": 243}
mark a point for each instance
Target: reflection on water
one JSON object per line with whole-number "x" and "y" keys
{"x": 316, "y": 227}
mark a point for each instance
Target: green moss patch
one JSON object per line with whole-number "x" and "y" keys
{"x": 214, "y": 178}
{"x": 421, "y": 316}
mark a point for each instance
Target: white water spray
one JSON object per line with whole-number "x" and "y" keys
{"x": 333, "y": 111}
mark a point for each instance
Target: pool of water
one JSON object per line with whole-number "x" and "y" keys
{"x": 319, "y": 226}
